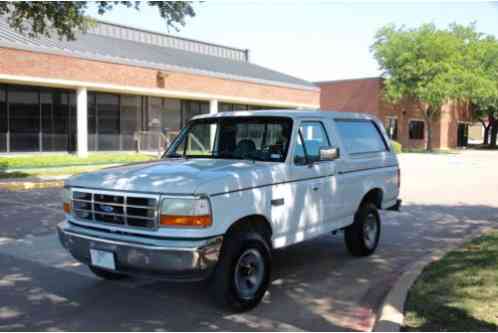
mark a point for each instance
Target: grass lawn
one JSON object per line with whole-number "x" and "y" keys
{"x": 63, "y": 164}
{"x": 434, "y": 151}
{"x": 57, "y": 160}
{"x": 458, "y": 292}
{"x": 62, "y": 171}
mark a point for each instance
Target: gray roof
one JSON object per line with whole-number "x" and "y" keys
{"x": 119, "y": 44}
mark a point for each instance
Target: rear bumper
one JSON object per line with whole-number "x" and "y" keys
{"x": 178, "y": 260}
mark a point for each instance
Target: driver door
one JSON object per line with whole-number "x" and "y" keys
{"x": 314, "y": 179}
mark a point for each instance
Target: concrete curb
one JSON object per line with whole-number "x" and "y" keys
{"x": 27, "y": 185}
{"x": 391, "y": 315}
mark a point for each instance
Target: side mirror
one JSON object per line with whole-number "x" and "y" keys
{"x": 329, "y": 154}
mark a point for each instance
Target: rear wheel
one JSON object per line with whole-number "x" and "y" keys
{"x": 106, "y": 275}
{"x": 242, "y": 274}
{"x": 362, "y": 237}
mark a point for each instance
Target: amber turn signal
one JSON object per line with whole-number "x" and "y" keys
{"x": 201, "y": 221}
{"x": 67, "y": 207}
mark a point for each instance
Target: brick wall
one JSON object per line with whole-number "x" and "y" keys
{"x": 351, "y": 95}
{"x": 26, "y": 63}
{"x": 365, "y": 95}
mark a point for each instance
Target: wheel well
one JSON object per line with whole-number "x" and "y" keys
{"x": 374, "y": 196}
{"x": 257, "y": 223}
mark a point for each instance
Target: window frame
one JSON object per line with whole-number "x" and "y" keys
{"x": 219, "y": 120}
{"x": 300, "y": 135}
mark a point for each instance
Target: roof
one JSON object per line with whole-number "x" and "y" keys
{"x": 295, "y": 114}
{"x": 119, "y": 44}
{"x": 318, "y": 83}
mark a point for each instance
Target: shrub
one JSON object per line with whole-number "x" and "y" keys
{"x": 397, "y": 148}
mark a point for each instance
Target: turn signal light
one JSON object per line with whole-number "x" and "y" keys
{"x": 201, "y": 221}
{"x": 67, "y": 207}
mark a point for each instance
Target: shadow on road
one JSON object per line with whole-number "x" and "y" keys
{"x": 316, "y": 285}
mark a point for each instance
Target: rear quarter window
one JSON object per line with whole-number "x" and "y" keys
{"x": 360, "y": 136}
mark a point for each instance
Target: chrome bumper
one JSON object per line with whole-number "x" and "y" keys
{"x": 185, "y": 260}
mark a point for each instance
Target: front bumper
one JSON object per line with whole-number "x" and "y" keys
{"x": 168, "y": 259}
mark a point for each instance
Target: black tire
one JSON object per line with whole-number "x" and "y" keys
{"x": 226, "y": 287}
{"x": 106, "y": 275}
{"x": 359, "y": 241}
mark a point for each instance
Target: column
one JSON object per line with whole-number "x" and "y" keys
{"x": 213, "y": 109}
{"x": 213, "y": 106}
{"x": 82, "y": 122}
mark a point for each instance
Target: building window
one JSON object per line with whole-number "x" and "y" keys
{"x": 225, "y": 107}
{"x": 416, "y": 130}
{"x": 108, "y": 120}
{"x": 193, "y": 108}
{"x": 171, "y": 117}
{"x": 392, "y": 127}
{"x": 24, "y": 109}
{"x": 3, "y": 120}
{"x": 130, "y": 107}
{"x": 36, "y": 119}
{"x": 462, "y": 135}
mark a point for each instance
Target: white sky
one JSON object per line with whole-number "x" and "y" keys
{"x": 313, "y": 40}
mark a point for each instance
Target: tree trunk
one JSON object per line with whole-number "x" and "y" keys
{"x": 493, "y": 124}
{"x": 428, "y": 146}
{"x": 485, "y": 141}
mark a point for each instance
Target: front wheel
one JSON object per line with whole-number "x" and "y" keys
{"x": 242, "y": 275}
{"x": 362, "y": 237}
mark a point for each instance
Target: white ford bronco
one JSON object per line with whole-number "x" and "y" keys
{"x": 230, "y": 188}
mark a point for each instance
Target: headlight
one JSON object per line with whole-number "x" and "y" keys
{"x": 185, "y": 212}
{"x": 67, "y": 196}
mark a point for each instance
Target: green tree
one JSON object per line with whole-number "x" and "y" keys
{"x": 421, "y": 65}
{"x": 482, "y": 88}
{"x": 66, "y": 18}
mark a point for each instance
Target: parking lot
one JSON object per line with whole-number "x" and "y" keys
{"x": 316, "y": 285}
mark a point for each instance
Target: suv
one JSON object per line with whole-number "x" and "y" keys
{"x": 230, "y": 188}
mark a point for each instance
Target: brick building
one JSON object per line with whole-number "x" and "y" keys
{"x": 96, "y": 93}
{"x": 403, "y": 122}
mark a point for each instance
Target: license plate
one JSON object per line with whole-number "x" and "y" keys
{"x": 103, "y": 259}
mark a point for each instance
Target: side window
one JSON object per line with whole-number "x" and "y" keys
{"x": 360, "y": 136}
{"x": 311, "y": 137}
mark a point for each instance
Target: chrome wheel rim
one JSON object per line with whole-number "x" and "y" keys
{"x": 249, "y": 273}
{"x": 370, "y": 229}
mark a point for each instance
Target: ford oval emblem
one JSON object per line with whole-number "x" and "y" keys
{"x": 106, "y": 208}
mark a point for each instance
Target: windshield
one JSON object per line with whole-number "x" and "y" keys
{"x": 244, "y": 138}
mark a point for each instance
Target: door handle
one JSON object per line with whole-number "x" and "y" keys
{"x": 315, "y": 188}
{"x": 277, "y": 202}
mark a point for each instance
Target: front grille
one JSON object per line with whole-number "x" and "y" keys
{"x": 117, "y": 208}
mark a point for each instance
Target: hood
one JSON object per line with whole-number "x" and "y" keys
{"x": 179, "y": 176}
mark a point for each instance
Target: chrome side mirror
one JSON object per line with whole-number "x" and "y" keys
{"x": 329, "y": 154}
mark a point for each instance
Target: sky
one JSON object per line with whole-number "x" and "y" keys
{"x": 312, "y": 40}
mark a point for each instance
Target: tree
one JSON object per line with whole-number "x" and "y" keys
{"x": 66, "y": 18}
{"x": 479, "y": 56}
{"x": 420, "y": 65}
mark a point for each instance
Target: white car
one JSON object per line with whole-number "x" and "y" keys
{"x": 230, "y": 188}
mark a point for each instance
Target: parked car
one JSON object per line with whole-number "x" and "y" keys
{"x": 230, "y": 188}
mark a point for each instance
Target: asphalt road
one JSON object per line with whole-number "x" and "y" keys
{"x": 316, "y": 285}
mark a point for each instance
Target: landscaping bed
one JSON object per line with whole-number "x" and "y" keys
{"x": 458, "y": 292}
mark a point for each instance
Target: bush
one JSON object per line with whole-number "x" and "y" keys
{"x": 397, "y": 148}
